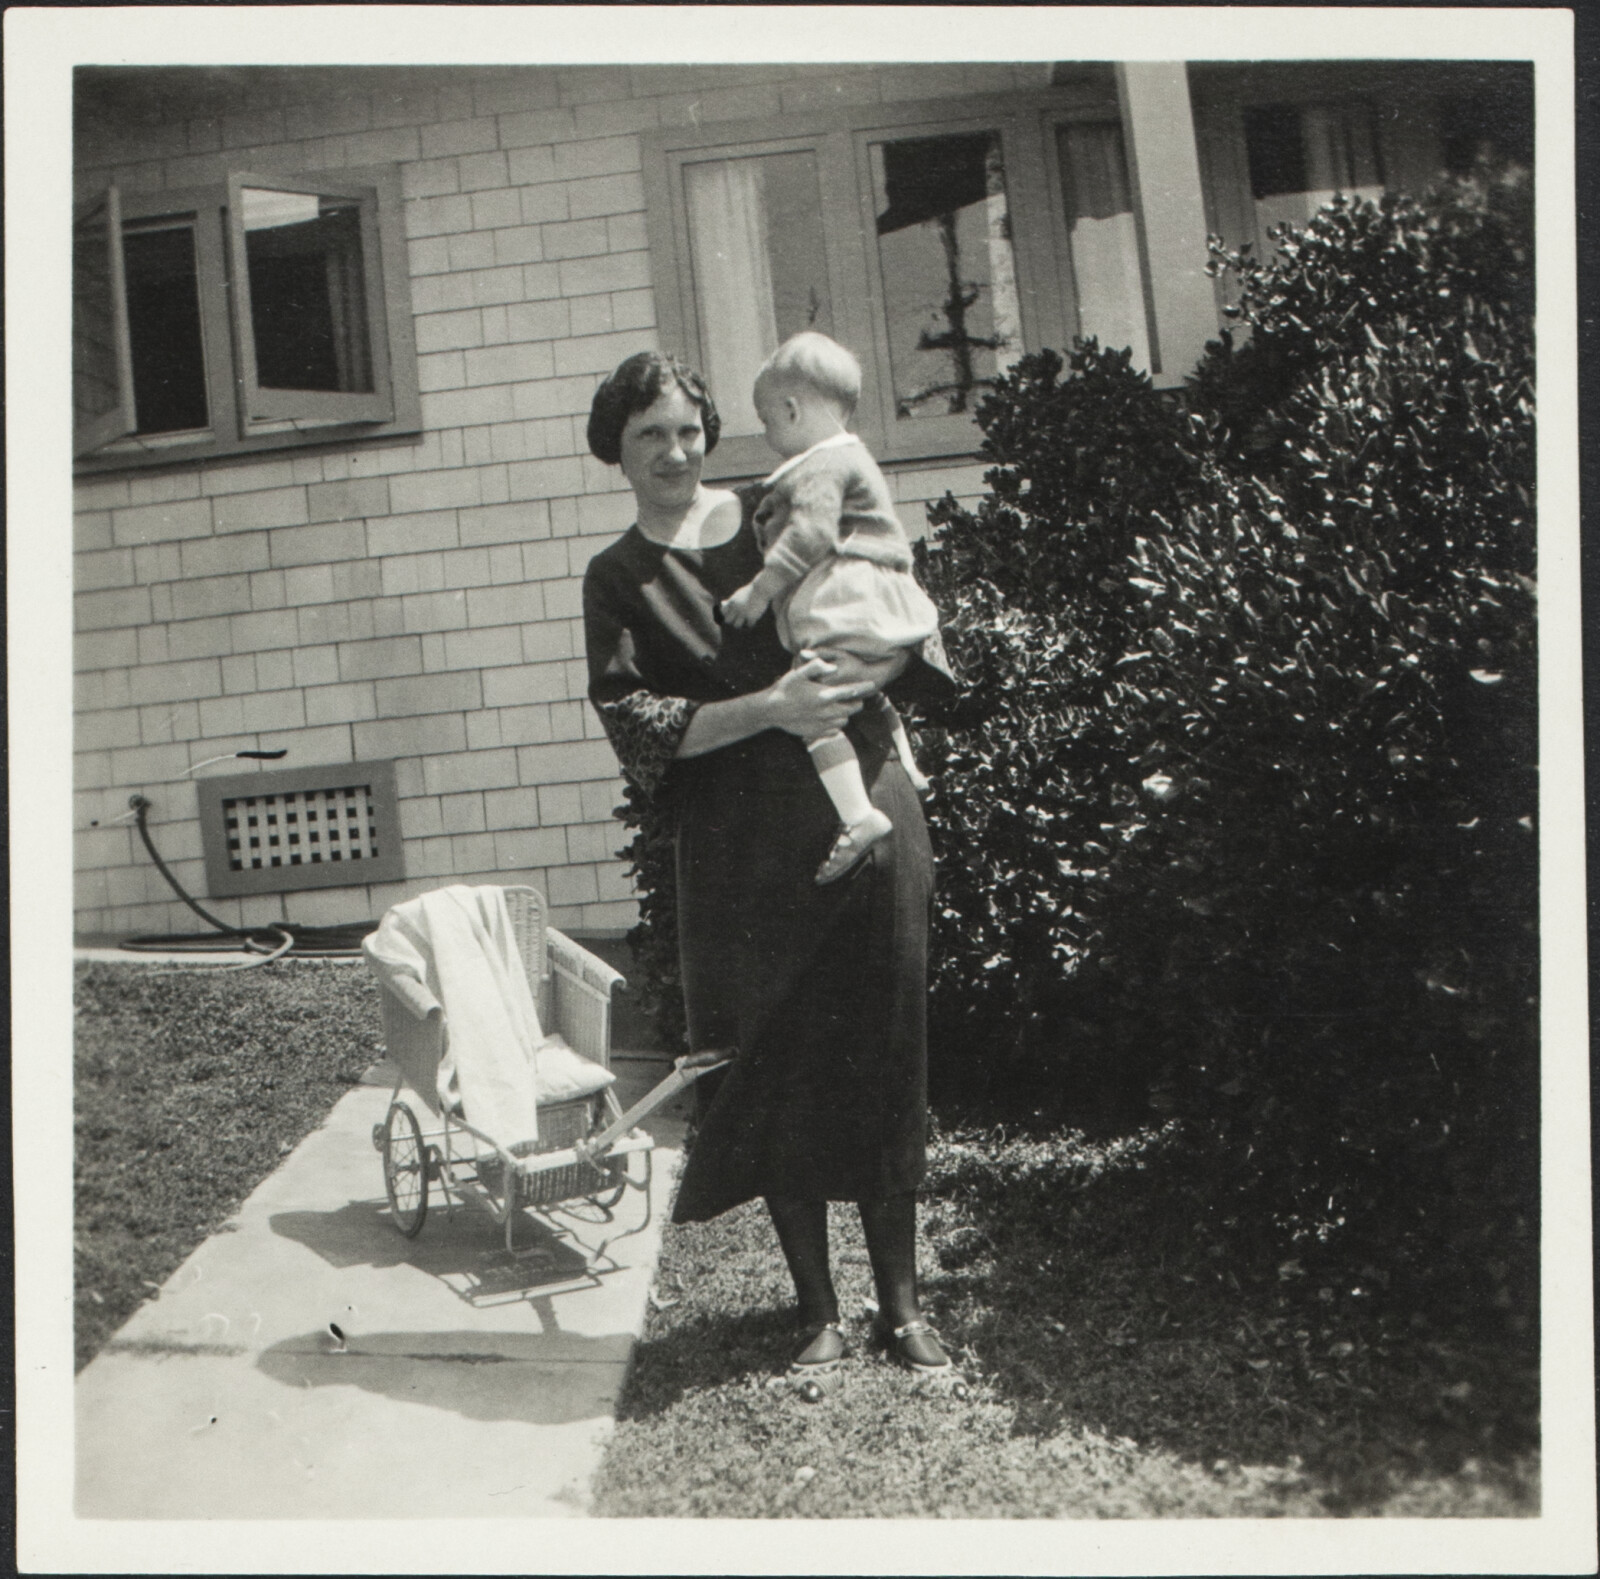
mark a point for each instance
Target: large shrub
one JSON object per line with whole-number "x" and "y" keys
{"x": 1240, "y": 805}
{"x": 1235, "y": 815}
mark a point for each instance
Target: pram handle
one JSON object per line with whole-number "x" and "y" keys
{"x": 700, "y": 1062}
{"x": 685, "y": 1071}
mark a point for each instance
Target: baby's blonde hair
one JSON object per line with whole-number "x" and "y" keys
{"x": 817, "y": 362}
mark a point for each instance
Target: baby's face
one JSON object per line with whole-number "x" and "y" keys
{"x": 779, "y": 417}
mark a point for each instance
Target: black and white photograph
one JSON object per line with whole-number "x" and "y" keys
{"x": 529, "y": 1006}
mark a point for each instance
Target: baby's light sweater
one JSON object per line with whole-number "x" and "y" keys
{"x": 829, "y": 499}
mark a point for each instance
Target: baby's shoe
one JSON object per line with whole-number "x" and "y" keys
{"x": 854, "y": 840}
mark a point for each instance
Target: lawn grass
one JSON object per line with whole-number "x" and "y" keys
{"x": 1124, "y": 1361}
{"x": 190, "y": 1086}
{"x": 1120, "y": 1369}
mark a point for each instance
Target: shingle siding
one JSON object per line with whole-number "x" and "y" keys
{"x": 413, "y": 601}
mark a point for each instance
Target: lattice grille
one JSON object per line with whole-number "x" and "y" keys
{"x": 288, "y": 828}
{"x": 303, "y": 828}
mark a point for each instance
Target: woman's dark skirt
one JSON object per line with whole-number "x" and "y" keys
{"x": 822, "y": 990}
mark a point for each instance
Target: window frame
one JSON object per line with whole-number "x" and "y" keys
{"x": 840, "y": 135}
{"x": 261, "y": 402}
{"x": 117, "y": 421}
{"x": 747, "y": 454}
{"x": 947, "y": 433}
{"x": 229, "y": 432}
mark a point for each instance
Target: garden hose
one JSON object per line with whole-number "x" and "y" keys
{"x": 273, "y": 940}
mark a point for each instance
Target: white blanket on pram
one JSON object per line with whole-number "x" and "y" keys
{"x": 457, "y": 945}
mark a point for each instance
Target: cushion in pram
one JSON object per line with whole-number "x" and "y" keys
{"x": 561, "y": 1075}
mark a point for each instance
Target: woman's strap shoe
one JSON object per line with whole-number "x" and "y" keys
{"x": 915, "y": 1346}
{"x": 814, "y": 1370}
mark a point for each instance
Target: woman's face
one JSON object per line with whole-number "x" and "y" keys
{"x": 663, "y": 448}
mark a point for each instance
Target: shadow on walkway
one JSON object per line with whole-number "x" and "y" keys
{"x": 549, "y": 1378}
{"x": 466, "y": 1252}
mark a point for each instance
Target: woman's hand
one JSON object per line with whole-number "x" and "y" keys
{"x": 849, "y": 669}
{"x": 819, "y": 698}
{"x": 810, "y": 701}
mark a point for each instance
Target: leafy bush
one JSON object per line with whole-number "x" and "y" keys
{"x": 1239, "y": 806}
{"x": 652, "y": 866}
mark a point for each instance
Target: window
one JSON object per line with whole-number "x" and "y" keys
{"x": 1103, "y": 240}
{"x": 1300, "y": 155}
{"x": 755, "y": 248}
{"x": 268, "y": 312}
{"x": 939, "y": 242}
{"x": 945, "y": 272}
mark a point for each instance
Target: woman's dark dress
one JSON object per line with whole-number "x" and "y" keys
{"x": 822, "y": 989}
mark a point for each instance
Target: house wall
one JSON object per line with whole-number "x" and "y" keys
{"x": 414, "y": 601}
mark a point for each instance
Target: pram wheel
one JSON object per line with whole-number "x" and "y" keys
{"x": 405, "y": 1170}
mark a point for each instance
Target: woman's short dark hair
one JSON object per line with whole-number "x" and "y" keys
{"x": 635, "y": 386}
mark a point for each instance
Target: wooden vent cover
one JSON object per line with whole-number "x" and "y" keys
{"x": 292, "y": 828}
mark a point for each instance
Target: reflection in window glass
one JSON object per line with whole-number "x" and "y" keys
{"x": 308, "y": 295}
{"x": 169, "y": 362}
{"x": 1102, "y": 239}
{"x": 949, "y": 278}
{"x": 1301, "y": 154}
{"x": 760, "y": 271}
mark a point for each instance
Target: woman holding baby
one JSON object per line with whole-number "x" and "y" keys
{"x": 803, "y": 903}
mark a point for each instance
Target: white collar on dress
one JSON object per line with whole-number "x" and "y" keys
{"x": 831, "y": 442}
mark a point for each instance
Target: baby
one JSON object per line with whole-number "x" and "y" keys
{"x": 837, "y": 569}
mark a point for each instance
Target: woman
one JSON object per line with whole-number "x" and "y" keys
{"x": 820, "y": 989}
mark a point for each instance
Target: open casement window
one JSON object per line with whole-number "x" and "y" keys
{"x": 303, "y": 335}
{"x": 931, "y": 243}
{"x": 102, "y": 356}
{"x": 307, "y": 295}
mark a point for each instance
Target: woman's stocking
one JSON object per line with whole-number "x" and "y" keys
{"x": 803, "y": 1233}
{"x": 890, "y": 1227}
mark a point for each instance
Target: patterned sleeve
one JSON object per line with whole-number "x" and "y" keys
{"x": 644, "y": 726}
{"x": 645, "y": 730}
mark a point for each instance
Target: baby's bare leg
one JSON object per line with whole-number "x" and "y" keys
{"x": 902, "y": 746}
{"x": 882, "y": 669}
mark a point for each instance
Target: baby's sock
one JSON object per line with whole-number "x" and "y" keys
{"x": 840, "y": 771}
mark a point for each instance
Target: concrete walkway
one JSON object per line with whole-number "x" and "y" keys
{"x": 464, "y": 1385}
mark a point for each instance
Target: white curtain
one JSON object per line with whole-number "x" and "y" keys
{"x": 1105, "y": 263}
{"x": 733, "y": 282}
{"x": 1104, "y": 240}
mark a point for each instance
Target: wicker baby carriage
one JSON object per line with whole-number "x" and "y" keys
{"x": 585, "y": 1144}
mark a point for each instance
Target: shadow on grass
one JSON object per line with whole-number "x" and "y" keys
{"x": 1110, "y": 1300}
{"x": 1124, "y": 1362}
{"x": 705, "y": 1351}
